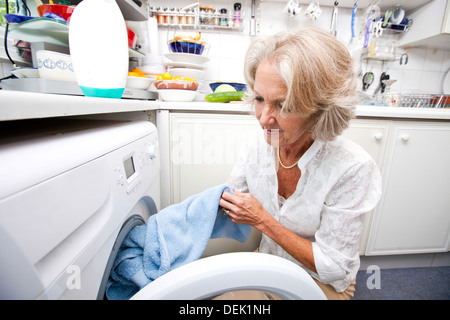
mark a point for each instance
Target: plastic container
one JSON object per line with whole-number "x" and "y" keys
{"x": 99, "y": 48}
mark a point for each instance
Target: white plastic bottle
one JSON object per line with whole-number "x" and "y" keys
{"x": 98, "y": 44}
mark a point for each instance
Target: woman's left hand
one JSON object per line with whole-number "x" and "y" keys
{"x": 244, "y": 208}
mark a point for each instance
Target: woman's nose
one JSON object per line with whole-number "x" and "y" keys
{"x": 267, "y": 116}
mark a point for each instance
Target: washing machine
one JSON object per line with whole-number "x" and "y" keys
{"x": 70, "y": 192}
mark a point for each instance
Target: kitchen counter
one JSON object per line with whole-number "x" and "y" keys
{"x": 17, "y": 105}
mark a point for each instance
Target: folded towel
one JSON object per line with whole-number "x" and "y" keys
{"x": 171, "y": 238}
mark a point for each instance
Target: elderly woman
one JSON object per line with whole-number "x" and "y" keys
{"x": 300, "y": 183}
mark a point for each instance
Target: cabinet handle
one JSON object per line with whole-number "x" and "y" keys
{"x": 378, "y": 136}
{"x": 405, "y": 137}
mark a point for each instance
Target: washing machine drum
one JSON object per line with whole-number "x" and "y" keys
{"x": 140, "y": 213}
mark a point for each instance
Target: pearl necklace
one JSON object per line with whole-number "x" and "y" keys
{"x": 286, "y": 167}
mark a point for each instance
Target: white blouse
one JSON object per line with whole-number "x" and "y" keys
{"x": 339, "y": 183}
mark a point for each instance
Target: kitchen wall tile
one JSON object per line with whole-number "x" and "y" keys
{"x": 416, "y": 58}
{"x": 212, "y": 71}
{"x": 411, "y": 81}
{"x": 231, "y": 70}
{"x": 234, "y": 46}
{"x": 429, "y": 82}
{"x": 433, "y": 59}
{"x": 446, "y": 63}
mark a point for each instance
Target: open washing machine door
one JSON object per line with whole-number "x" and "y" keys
{"x": 212, "y": 276}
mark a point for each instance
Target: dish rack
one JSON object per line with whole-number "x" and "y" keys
{"x": 417, "y": 100}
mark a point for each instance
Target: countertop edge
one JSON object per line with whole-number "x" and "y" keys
{"x": 17, "y": 105}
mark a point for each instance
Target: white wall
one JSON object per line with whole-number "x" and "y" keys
{"x": 424, "y": 72}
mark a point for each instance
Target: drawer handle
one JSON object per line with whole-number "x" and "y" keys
{"x": 378, "y": 136}
{"x": 405, "y": 137}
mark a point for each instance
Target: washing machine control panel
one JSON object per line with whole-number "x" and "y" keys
{"x": 141, "y": 158}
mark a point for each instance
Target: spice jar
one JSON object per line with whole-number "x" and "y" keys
{"x": 223, "y": 17}
{"x": 237, "y": 15}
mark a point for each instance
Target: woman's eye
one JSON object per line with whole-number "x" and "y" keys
{"x": 259, "y": 99}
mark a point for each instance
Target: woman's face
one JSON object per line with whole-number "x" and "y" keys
{"x": 270, "y": 93}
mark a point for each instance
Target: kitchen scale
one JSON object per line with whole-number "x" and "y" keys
{"x": 40, "y": 85}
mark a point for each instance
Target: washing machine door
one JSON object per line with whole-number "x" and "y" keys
{"x": 212, "y": 276}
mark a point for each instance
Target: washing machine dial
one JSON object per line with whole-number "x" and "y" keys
{"x": 152, "y": 151}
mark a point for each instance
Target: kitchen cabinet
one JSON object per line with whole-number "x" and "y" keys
{"x": 204, "y": 148}
{"x": 413, "y": 215}
{"x": 431, "y": 27}
{"x": 372, "y": 136}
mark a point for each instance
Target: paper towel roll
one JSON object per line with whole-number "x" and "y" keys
{"x": 153, "y": 41}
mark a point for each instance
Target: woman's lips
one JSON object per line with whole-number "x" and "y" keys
{"x": 271, "y": 131}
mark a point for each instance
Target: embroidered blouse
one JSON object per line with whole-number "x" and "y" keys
{"x": 339, "y": 183}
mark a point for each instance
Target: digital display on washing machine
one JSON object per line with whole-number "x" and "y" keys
{"x": 129, "y": 167}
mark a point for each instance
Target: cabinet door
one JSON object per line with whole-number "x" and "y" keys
{"x": 414, "y": 214}
{"x": 372, "y": 136}
{"x": 204, "y": 148}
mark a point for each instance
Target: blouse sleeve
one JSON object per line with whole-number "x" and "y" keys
{"x": 336, "y": 242}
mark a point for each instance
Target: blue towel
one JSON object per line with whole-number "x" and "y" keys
{"x": 171, "y": 238}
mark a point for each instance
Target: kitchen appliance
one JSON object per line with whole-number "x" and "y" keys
{"x": 69, "y": 189}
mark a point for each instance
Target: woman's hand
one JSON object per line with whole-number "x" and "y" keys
{"x": 244, "y": 208}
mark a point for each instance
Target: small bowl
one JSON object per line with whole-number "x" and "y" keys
{"x": 187, "y": 72}
{"x": 54, "y": 65}
{"x": 132, "y": 38}
{"x": 61, "y": 10}
{"x": 176, "y": 84}
{"x": 237, "y": 86}
{"x": 187, "y": 46}
{"x": 138, "y": 82}
{"x": 176, "y": 95}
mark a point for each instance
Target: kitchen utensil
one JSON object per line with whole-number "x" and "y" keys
{"x": 397, "y": 15}
{"x": 26, "y": 72}
{"x": 138, "y": 82}
{"x": 313, "y": 11}
{"x": 187, "y": 46}
{"x": 61, "y": 10}
{"x": 381, "y": 85}
{"x": 187, "y": 72}
{"x": 387, "y": 15}
{"x": 131, "y": 38}
{"x": 184, "y": 65}
{"x": 355, "y": 8}
{"x": 376, "y": 28}
{"x": 253, "y": 20}
{"x": 15, "y": 18}
{"x": 175, "y": 95}
{"x": 176, "y": 84}
{"x": 54, "y": 65}
{"x": 237, "y": 86}
{"x": 186, "y": 57}
{"x": 372, "y": 12}
{"x": 292, "y": 8}
{"x": 367, "y": 80}
{"x": 334, "y": 17}
{"x": 404, "y": 58}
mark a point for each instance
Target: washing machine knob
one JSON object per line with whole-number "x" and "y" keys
{"x": 152, "y": 151}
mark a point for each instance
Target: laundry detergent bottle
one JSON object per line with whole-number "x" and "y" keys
{"x": 98, "y": 45}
